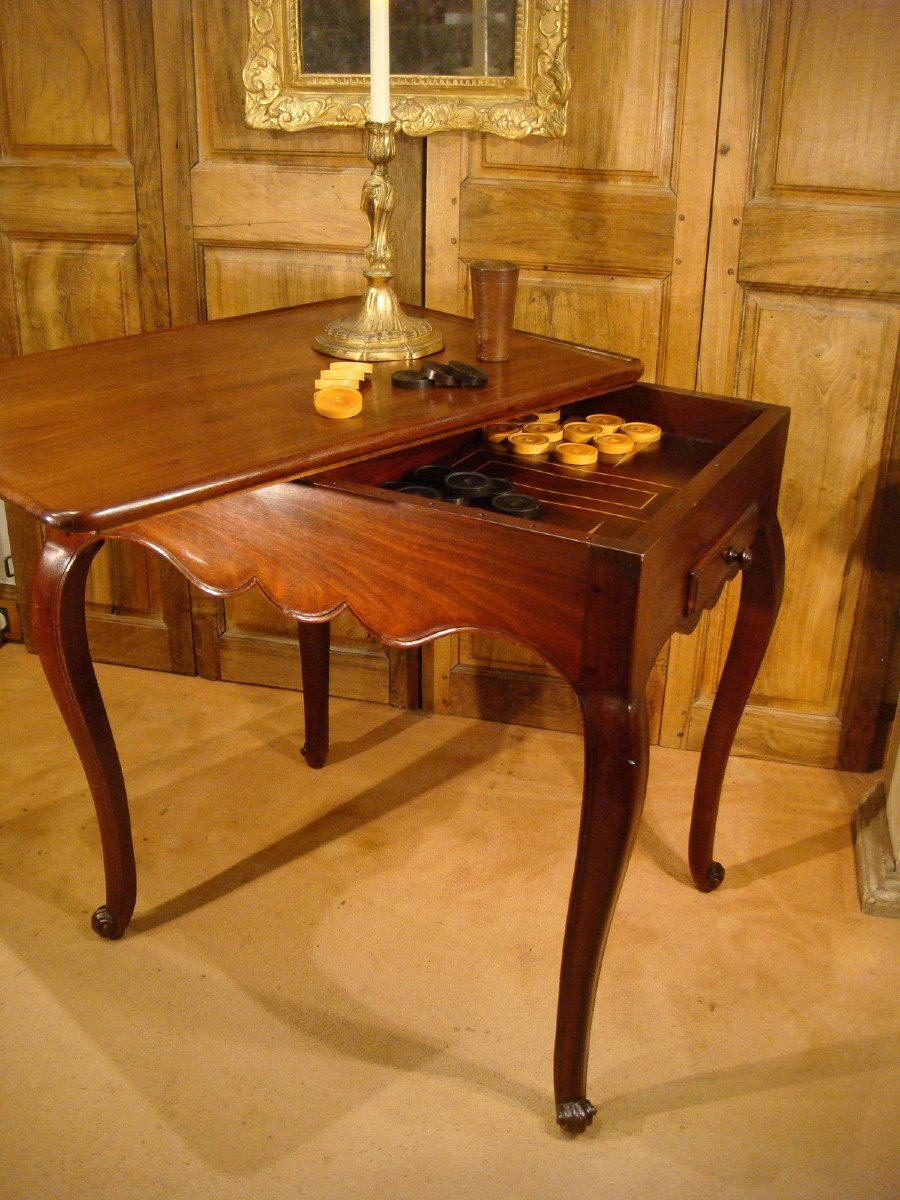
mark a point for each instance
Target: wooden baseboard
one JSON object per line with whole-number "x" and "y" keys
{"x": 514, "y": 697}
{"x": 129, "y": 641}
{"x": 877, "y": 871}
{"x": 125, "y": 641}
{"x": 522, "y": 697}
{"x": 355, "y": 673}
{"x": 9, "y": 601}
{"x": 772, "y": 733}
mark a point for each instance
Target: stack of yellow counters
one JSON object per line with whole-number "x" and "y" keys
{"x": 606, "y": 438}
{"x": 579, "y": 431}
{"x": 576, "y": 454}
{"x": 574, "y": 449}
{"x": 604, "y": 423}
{"x": 551, "y": 430}
{"x": 528, "y": 444}
{"x": 337, "y": 393}
{"x": 615, "y": 436}
{"x": 577, "y": 443}
{"x": 642, "y": 433}
{"x": 500, "y": 431}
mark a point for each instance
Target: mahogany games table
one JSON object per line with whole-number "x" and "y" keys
{"x": 202, "y": 443}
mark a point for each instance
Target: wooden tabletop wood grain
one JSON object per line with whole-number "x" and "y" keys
{"x": 99, "y": 435}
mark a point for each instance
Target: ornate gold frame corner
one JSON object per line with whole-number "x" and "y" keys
{"x": 277, "y": 95}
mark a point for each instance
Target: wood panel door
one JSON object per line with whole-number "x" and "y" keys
{"x": 82, "y": 256}
{"x": 275, "y": 220}
{"x": 800, "y": 308}
{"x": 724, "y": 207}
{"x": 609, "y": 226}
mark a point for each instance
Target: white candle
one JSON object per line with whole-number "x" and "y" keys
{"x": 379, "y": 61}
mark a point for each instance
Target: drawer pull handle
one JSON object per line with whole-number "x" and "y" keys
{"x": 743, "y": 558}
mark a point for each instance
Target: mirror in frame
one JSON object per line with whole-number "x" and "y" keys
{"x": 494, "y": 66}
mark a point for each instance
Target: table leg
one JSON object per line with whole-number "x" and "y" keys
{"x": 315, "y": 643}
{"x": 615, "y": 778}
{"x": 61, "y": 636}
{"x": 761, "y": 589}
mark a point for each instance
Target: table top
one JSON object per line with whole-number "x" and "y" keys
{"x": 99, "y": 435}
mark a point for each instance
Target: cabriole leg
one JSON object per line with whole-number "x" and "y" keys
{"x": 615, "y": 779}
{"x": 61, "y": 636}
{"x": 761, "y": 589}
{"x": 315, "y": 643}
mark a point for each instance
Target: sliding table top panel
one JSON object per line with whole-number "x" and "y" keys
{"x": 99, "y": 435}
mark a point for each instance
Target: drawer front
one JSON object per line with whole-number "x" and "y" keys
{"x": 730, "y": 554}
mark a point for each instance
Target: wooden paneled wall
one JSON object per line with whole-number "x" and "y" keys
{"x": 82, "y": 254}
{"x": 610, "y": 227}
{"x": 801, "y": 309}
{"x": 276, "y": 221}
{"x": 724, "y": 206}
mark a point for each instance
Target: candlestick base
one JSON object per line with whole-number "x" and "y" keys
{"x": 380, "y": 330}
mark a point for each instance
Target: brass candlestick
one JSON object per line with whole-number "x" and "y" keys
{"x": 380, "y": 329}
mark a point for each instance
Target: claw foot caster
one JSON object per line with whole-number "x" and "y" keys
{"x": 103, "y": 923}
{"x": 313, "y": 759}
{"x": 574, "y": 1116}
{"x": 715, "y": 873}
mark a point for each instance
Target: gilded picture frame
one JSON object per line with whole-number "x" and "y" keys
{"x": 532, "y": 100}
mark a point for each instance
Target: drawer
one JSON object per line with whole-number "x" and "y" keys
{"x": 721, "y": 563}
{"x": 613, "y": 498}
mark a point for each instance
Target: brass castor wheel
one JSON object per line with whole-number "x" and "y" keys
{"x": 574, "y": 1116}
{"x": 314, "y": 759}
{"x": 714, "y": 875}
{"x": 103, "y": 924}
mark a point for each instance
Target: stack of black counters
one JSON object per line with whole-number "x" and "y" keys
{"x": 419, "y": 489}
{"x": 499, "y": 487}
{"x": 431, "y": 373}
{"x": 470, "y": 485}
{"x": 439, "y": 374}
{"x": 516, "y": 504}
{"x": 435, "y": 481}
{"x": 411, "y": 380}
{"x": 430, "y": 474}
{"x": 467, "y": 374}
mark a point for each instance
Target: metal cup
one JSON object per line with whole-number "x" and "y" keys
{"x": 494, "y": 283}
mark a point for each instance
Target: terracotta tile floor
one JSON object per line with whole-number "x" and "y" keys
{"x": 342, "y": 983}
